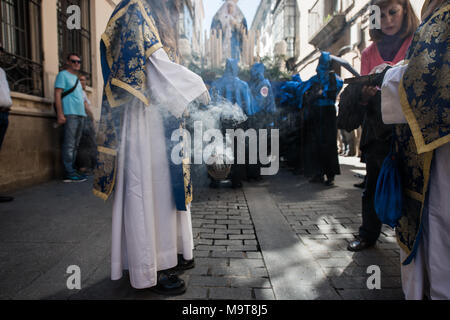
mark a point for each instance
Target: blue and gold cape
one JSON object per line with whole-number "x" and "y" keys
{"x": 425, "y": 95}
{"x": 130, "y": 38}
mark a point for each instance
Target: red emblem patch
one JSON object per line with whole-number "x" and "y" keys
{"x": 264, "y": 91}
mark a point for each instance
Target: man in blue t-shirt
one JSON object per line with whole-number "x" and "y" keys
{"x": 71, "y": 112}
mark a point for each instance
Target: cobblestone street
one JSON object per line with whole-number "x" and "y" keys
{"x": 282, "y": 238}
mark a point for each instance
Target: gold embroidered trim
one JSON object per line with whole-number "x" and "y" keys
{"x": 414, "y": 195}
{"x": 149, "y": 20}
{"x": 405, "y": 248}
{"x": 426, "y": 173}
{"x": 130, "y": 89}
{"x": 422, "y": 147}
{"x": 113, "y": 20}
{"x": 116, "y": 82}
{"x": 100, "y": 195}
{"x": 109, "y": 151}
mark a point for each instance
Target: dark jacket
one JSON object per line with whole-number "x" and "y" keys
{"x": 376, "y": 136}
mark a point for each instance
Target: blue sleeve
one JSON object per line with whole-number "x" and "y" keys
{"x": 60, "y": 81}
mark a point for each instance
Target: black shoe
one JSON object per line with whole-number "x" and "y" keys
{"x": 361, "y": 185}
{"x": 359, "y": 245}
{"x": 6, "y": 199}
{"x": 169, "y": 284}
{"x": 329, "y": 183}
{"x": 184, "y": 264}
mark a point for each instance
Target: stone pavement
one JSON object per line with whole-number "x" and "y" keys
{"x": 282, "y": 238}
{"x": 326, "y": 220}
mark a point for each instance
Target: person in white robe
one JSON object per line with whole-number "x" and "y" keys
{"x": 148, "y": 231}
{"x": 145, "y": 94}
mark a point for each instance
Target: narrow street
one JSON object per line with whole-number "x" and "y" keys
{"x": 281, "y": 238}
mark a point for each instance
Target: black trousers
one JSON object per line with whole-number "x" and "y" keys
{"x": 371, "y": 226}
{"x": 4, "y": 122}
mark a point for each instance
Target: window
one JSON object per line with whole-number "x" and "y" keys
{"x": 285, "y": 24}
{"x": 21, "y": 45}
{"x": 76, "y": 40}
{"x": 290, "y": 20}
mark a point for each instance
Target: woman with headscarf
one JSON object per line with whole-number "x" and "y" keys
{"x": 420, "y": 106}
{"x": 390, "y": 44}
{"x": 146, "y": 94}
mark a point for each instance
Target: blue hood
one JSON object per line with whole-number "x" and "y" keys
{"x": 257, "y": 72}
{"x": 297, "y": 78}
{"x": 231, "y": 68}
{"x": 324, "y": 65}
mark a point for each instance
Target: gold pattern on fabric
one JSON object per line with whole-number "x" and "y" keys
{"x": 131, "y": 27}
{"x": 415, "y": 179}
{"x": 188, "y": 187}
{"x": 130, "y": 38}
{"x": 419, "y": 110}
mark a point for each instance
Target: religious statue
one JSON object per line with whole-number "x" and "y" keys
{"x": 231, "y": 22}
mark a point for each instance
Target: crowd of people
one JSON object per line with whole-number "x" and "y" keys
{"x": 152, "y": 234}
{"x": 148, "y": 99}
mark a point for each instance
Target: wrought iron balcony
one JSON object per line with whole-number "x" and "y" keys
{"x": 24, "y": 76}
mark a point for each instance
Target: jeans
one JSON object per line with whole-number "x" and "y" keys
{"x": 371, "y": 225}
{"x": 73, "y": 129}
{"x": 4, "y": 122}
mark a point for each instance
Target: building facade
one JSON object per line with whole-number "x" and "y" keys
{"x": 35, "y": 40}
{"x": 190, "y": 29}
{"x": 276, "y": 24}
{"x": 338, "y": 26}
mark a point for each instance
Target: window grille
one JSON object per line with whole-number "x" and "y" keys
{"x": 21, "y": 45}
{"x": 76, "y": 40}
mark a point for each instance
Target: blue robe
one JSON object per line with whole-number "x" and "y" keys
{"x": 320, "y": 121}
{"x": 262, "y": 94}
{"x": 292, "y": 91}
{"x": 328, "y": 95}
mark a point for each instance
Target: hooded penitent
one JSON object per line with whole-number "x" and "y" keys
{"x": 319, "y": 116}
{"x": 263, "y": 98}
{"x": 330, "y": 87}
{"x": 231, "y": 87}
